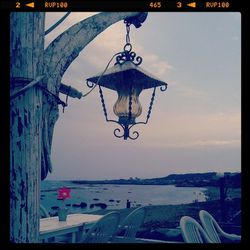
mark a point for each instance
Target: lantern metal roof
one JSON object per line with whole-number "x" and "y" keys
{"x": 126, "y": 72}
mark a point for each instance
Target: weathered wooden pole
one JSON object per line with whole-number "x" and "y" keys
{"x": 34, "y": 109}
{"x": 26, "y": 64}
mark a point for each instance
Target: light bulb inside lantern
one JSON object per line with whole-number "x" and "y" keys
{"x": 123, "y": 106}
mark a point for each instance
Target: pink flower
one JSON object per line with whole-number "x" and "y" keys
{"x": 63, "y": 193}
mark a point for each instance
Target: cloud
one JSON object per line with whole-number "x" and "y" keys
{"x": 197, "y": 144}
{"x": 193, "y": 130}
{"x": 155, "y": 65}
{"x": 52, "y": 17}
{"x": 191, "y": 144}
{"x": 104, "y": 46}
{"x": 98, "y": 53}
{"x": 186, "y": 90}
{"x": 112, "y": 41}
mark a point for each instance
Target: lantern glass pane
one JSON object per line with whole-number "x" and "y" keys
{"x": 122, "y": 105}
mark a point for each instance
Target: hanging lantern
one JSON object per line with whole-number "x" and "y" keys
{"x": 128, "y": 79}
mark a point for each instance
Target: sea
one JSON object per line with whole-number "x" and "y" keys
{"x": 115, "y": 196}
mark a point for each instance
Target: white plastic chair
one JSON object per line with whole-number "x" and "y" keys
{"x": 103, "y": 230}
{"x": 192, "y": 231}
{"x": 131, "y": 224}
{"x": 213, "y": 229}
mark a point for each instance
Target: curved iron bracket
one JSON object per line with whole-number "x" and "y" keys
{"x": 137, "y": 20}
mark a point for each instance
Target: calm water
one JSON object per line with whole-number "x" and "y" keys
{"x": 115, "y": 196}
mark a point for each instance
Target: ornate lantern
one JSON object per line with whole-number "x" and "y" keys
{"x": 128, "y": 79}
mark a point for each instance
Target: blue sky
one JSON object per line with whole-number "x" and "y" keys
{"x": 195, "y": 125}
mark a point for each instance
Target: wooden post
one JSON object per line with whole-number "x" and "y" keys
{"x": 34, "y": 112}
{"x": 26, "y": 58}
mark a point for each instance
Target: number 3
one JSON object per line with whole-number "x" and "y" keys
{"x": 179, "y": 4}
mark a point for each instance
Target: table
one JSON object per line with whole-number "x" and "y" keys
{"x": 75, "y": 224}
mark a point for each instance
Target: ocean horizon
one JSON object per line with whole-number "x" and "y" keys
{"x": 84, "y": 197}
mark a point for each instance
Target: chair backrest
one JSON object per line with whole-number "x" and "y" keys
{"x": 210, "y": 225}
{"x": 43, "y": 212}
{"x": 192, "y": 231}
{"x": 103, "y": 230}
{"x": 131, "y": 224}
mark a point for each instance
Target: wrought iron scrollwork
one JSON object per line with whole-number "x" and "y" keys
{"x": 90, "y": 84}
{"x": 126, "y": 132}
{"x": 128, "y": 56}
{"x": 119, "y": 131}
{"x": 151, "y": 104}
{"x": 136, "y": 135}
{"x": 164, "y": 87}
{"x": 103, "y": 103}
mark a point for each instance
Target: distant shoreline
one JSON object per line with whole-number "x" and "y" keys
{"x": 178, "y": 180}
